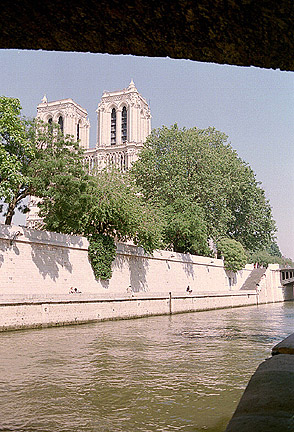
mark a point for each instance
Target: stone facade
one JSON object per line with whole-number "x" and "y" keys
{"x": 123, "y": 124}
{"x": 71, "y": 117}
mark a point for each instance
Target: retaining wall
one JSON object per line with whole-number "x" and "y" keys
{"x": 37, "y": 269}
{"x": 43, "y": 312}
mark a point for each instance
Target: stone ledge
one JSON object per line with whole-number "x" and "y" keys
{"x": 284, "y": 347}
{"x": 14, "y": 234}
{"x": 267, "y": 403}
{"x": 20, "y": 299}
{"x": 256, "y": 423}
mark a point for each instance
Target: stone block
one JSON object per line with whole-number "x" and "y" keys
{"x": 284, "y": 347}
{"x": 268, "y": 401}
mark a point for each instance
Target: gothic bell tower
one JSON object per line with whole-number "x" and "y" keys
{"x": 71, "y": 117}
{"x": 124, "y": 122}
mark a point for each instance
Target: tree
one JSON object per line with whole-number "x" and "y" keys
{"x": 57, "y": 174}
{"x": 274, "y": 249}
{"x": 201, "y": 166}
{"x": 110, "y": 209}
{"x": 269, "y": 255}
{"x": 15, "y": 152}
{"x": 35, "y": 159}
{"x": 109, "y": 205}
{"x": 233, "y": 253}
{"x": 184, "y": 228}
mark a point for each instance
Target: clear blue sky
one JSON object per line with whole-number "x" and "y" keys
{"x": 254, "y": 107}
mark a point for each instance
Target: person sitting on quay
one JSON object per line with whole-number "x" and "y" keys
{"x": 74, "y": 290}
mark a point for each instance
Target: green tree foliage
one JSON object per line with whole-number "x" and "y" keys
{"x": 109, "y": 205}
{"x": 102, "y": 252}
{"x": 273, "y": 249}
{"x": 58, "y": 176}
{"x": 35, "y": 159}
{"x": 200, "y": 167}
{"x": 15, "y": 153}
{"x": 184, "y": 228}
{"x": 233, "y": 253}
{"x": 266, "y": 256}
{"x": 271, "y": 254}
{"x": 109, "y": 209}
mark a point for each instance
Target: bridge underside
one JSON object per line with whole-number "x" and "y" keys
{"x": 236, "y": 32}
{"x": 287, "y": 276}
{"x": 288, "y": 281}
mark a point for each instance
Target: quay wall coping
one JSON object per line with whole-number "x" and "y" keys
{"x": 284, "y": 347}
{"x": 81, "y": 298}
{"x": 19, "y": 234}
{"x": 268, "y": 400}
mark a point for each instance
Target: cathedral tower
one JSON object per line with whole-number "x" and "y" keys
{"x": 71, "y": 117}
{"x": 123, "y": 117}
{"x": 123, "y": 124}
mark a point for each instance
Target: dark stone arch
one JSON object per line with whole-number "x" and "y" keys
{"x": 78, "y": 130}
{"x": 258, "y": 33}
{"x": 124, "y": 125}
{"x": 60, "y": 122}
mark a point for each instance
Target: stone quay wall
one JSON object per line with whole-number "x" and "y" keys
{"x": 267, "y": 402}
{"x": 38, "y": 268}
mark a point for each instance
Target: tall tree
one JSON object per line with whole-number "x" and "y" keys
{"x": 202, "y": 167}
{"x": 184, "y": 228}
{"x": 34, "y": 159}
{"x": 15, "y": 153}
{"x": 233, "y": 253}
{"x": 108, "y": 205}
{"x": 109, "y": 209}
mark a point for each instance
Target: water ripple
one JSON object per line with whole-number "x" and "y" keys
{"x": 180, "y": 373}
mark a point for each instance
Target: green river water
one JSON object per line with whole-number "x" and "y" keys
{"x": 183, "y": 372}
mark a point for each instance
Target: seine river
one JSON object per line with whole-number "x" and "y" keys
{"x": 180, "y": 373}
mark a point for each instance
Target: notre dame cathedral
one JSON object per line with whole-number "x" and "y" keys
{"x": 123, "y": 124}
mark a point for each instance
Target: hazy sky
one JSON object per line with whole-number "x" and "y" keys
{"x": 254, "y": 107}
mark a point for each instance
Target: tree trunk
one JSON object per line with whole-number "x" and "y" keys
{"x": 10, "y": 212}
{"x": 18, "y": 197}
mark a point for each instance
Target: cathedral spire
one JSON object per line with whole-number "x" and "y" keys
{"x": 132, "y": 85}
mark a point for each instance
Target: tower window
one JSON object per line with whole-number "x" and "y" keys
{"x": 113, "y": 127}
{"x": 78, "y": 131}
{"x": 124, "y": 122}
{"x": 60, "y": 122}
{"x": 50, "y": 127}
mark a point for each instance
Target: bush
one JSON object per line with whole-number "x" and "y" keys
{"x": 234, "y": 254}
{"x": 102, "y": 252}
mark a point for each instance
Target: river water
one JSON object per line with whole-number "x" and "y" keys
{"x": 170, "y": 373}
